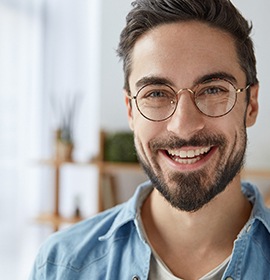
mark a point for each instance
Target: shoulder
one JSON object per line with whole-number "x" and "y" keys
{"x": 95, "y": 245}
{"x": 80, "y": 244}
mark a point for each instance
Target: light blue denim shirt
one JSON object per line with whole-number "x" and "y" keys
{"x": 110, "y": 246}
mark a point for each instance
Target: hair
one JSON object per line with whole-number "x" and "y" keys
{"x": 221, "y": 14}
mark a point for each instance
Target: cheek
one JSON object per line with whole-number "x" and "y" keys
{"x": 235, "y": 119}
{"x": 240, "y": 111}
{"x": 233, "y": 128}
{"x": 145, "y": 131}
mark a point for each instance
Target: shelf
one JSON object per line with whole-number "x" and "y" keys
{"x": 106, "y": 165}
{"x": 56, "y": 220}
{"x": 258, "y": 173}
{"x": 111, "y": 167}
{"x": 58, "y": 163}
{"x": 106, "y": 182}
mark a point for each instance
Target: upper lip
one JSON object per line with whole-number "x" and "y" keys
{"x": 188, "y": 153}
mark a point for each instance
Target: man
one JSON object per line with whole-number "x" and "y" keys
{"x": 191, "y": 90}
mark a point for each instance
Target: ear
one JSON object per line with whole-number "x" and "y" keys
{"x": 253, "y": 106}
{"x": 129, "y": 110}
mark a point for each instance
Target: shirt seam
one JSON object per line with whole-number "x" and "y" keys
{"x": 79, "y": 269}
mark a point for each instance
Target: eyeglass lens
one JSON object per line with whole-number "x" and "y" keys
{"x": 213, "y": 98}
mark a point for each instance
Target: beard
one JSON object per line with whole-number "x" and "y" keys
{"x": 190, "y": 191}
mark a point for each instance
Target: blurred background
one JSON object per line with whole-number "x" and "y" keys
{"x": 60, "y": 87}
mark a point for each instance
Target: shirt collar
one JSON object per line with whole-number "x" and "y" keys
{"x": 131, "y": 210}
{"x": 260, "y": 211}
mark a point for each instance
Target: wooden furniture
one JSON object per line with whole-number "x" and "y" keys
{"x": 55, "y": 218}
{"x": 106, "y": 184}
{"x": 106, "y": 174}
{"x": 256, "y": 173}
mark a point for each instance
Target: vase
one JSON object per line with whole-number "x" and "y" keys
{"x": 63, "y": 151}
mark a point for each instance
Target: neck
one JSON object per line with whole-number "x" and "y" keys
{"x": 210, "y": 231}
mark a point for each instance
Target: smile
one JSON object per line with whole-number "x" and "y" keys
{"x": 188, "y": 156}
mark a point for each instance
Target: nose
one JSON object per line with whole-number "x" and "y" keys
{"x": 186, "y": 119}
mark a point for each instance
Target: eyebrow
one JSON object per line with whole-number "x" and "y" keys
{"x": 158, "y": 80}
{"x": 152, "y": 80}
{"x": 216, "y": 75}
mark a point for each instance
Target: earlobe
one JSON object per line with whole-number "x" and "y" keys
{"x": 253, "y": 106}
{"x": 129, "y": 109}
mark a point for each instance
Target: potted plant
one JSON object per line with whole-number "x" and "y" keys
{"x": 64, "y": 135}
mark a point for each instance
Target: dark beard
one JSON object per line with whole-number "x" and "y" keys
{"x": 192, "y": 192}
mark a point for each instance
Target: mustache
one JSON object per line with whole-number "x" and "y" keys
{"x": 197, "y": 140}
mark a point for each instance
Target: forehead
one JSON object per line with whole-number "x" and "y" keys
{"x": 182, "y": 52}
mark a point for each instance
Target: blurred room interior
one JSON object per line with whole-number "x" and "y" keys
{"x": 62, "y": 111}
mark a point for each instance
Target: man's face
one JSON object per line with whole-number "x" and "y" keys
{"x": 189, "y": 157}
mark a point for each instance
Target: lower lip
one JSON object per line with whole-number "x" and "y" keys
{"x": 189, "y": 166}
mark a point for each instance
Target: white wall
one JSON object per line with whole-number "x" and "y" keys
{"x": 258, "y": 155}
{"x": 72, "y": 59}
{"x": 112, "y": 111}
{"x": 113, "y": 114}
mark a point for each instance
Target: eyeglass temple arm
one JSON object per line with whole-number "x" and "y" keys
{"x": 130, "y": 97}
{"x": 243, "y": 89}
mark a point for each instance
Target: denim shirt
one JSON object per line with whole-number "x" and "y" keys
{"x": 110, "y": 246}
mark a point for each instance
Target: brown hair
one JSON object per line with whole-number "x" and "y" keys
{"x": 222, "y": 14}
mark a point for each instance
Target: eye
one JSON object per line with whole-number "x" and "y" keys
{"x": 156, "y": 94}
{"x": 212, "y": 90}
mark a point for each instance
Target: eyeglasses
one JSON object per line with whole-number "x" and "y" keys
{"x": 213, "y": 98}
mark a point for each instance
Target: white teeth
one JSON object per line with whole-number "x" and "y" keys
{"x": 187, "y": 161}
{"x": 182, "y": 154}
{"x": 189, "y": 153}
